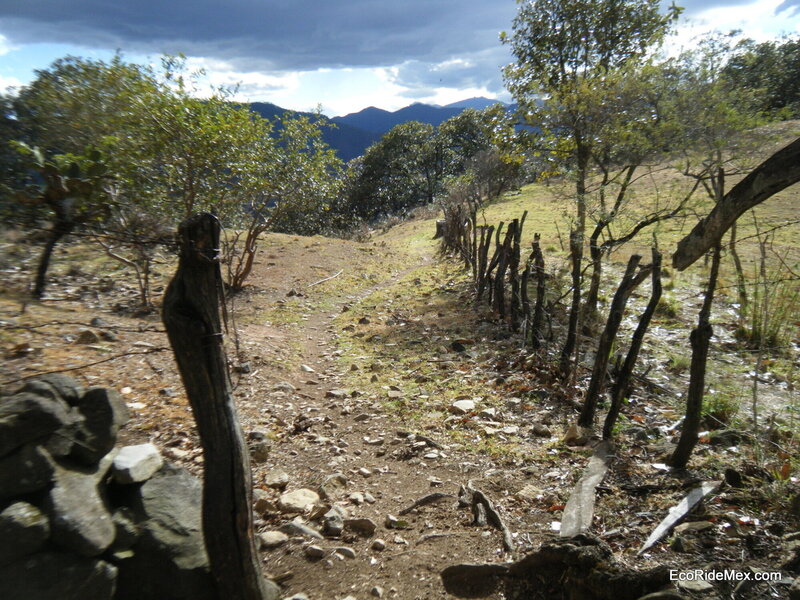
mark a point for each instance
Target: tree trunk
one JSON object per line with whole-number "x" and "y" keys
{"x": 538, "y": 308}
{"x": 571, "y": 344}
{"x": 60, "y": 229}
{"x": 499, "y": 295}
{"x": 607, "y": 338}
{"x": 192, "y": 320}
{"x": 778, "y": 172}
{"x": 620, "y": 388}
{"x": 699, "y": 340}
{"x": 741, "y": 282}
{"x": 596, "y": 260}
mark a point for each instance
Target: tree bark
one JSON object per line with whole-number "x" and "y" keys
{"x": 699, "y": 340}
{"x": 778, "y": 172}
{"x": 60, "y": 229}
{"x": 193, "y": 324}
{"x": 596, "y": 260}
{"x": 570, "y": 345}
{"x": 607, "y": 338}
{"x": 538, "y": 308}
{"x": 620, "y": 388}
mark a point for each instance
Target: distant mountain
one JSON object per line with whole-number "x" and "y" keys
{"x": 355, "y": 132}
{"x": 348, "y": 141}
{"x": 380, "y": 121}
{"x": 476, "y": 103}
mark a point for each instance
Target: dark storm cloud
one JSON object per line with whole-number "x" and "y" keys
{"x": 268, "y": 34}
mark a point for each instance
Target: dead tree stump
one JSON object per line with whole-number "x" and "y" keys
{"x": 192, "y": 320}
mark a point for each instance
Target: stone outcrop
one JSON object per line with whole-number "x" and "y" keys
{"x": 81, "y": 519}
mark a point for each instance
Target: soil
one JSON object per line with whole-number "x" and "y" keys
{"x": 334, "y": 319}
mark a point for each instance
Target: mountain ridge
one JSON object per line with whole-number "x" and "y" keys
{"x": 355, "y": 132}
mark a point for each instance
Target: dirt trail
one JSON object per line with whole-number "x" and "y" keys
{"x": 327, "y": 432}
{"x": 359, "y": 375}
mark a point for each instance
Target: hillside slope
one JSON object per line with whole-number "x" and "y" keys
{"x": 371, "y": 360}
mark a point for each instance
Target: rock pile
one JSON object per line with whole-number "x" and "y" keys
{"x": 80, "y": 519}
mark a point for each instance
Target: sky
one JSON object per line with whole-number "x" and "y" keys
{"x": 339, "y": 55}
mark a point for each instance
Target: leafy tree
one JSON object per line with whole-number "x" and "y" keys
{"x": 172, "y": 154}
{"x": 74, "y": 188}
{"x": 404, "y": 169}
{"x": 720, "y": 141}
{"x": 563, "y": 50}
{"x": 78, "y": 103}
{"x": 770, "y": 69}
{"x": 414, "y": 163}
{"x": 296, "y": 179}
{"x": 12, "y": 164}
{"x": 638, "y": 121}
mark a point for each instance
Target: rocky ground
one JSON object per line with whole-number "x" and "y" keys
{"x": 367, "y": 382}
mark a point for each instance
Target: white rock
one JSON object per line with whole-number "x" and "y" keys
{"x": 297, "y": 500}
{"x": 277, "y": 478}
{"x": 284, "y": 386}
{"x": 346, "y": 552}
{"x": 272, "y": 539}
{"x": 136, "y": 463}
{"x": 462, "y": 407}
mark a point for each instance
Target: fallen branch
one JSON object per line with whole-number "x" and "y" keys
{"x": 326, "y": 279}
{"x": 482, "y": 505}
{"x": 83, "y": 366}
{"x": 577, "y": 517}
{"x": 679, "y": 511}
{"x": 425, "y": 500}
{"x": 581, "y": 567}
{"x": 148, "y": 328}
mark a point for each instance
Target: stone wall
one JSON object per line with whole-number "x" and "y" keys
{"x": 82, "y": 519}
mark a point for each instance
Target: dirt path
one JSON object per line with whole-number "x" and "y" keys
{"x": 350, "y": 358}
{"x": 323, "y": 429}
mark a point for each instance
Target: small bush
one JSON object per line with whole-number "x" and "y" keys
{"x": 719, "y": 410}
{"x": 678, "y": 363}
{"x": 668, "y": 307}
{"x": 772, "y": 313}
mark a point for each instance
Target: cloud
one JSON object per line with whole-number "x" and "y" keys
{"x": 267, "y": 34}
{"x": 475, "y": 70}
{"x": 792, "y": 5}
{"x": 5, "y": 45}
{"x": 9, "y": 82}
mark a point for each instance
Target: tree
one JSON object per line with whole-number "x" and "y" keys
{"x": 12, "y": 164}
{"x": 720, "y": 142}
{"x": 78, "y": 103}
{"x": 74, "y": 188}
{"x": 564, "y": 48}
{"x": 770, "y": 69}
{"x": 404, "y": 169}
{"x": 296, "y": 180}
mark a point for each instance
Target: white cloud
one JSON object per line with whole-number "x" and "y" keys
{"x": 9, "y": 82}
{"x": 5, "y": 45}
{"x": 757, "y": 20}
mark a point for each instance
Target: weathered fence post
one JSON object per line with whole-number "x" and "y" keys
{"x": 629, "y": 281}
{"x": 620, "y": 388}
{"x": 193, "y": 324}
